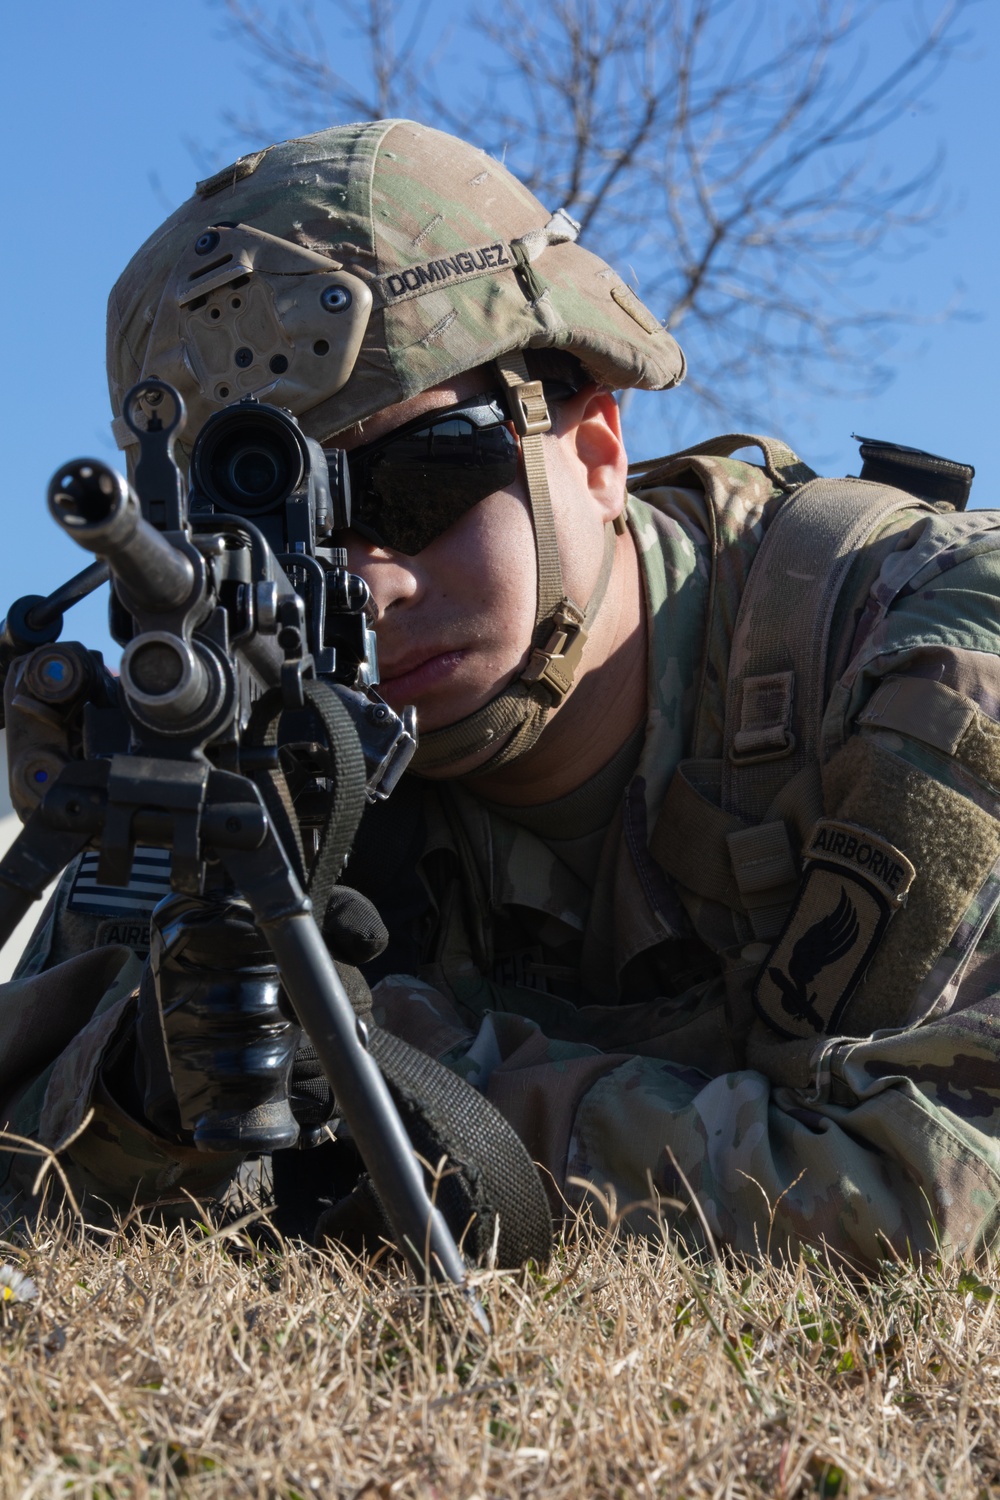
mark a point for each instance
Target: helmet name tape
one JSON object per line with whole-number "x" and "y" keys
{"x": 414, "y": 281}
{"x": 465, "y": 265}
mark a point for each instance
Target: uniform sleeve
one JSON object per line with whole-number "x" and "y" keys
{"x": 62, "y": 1020}
{"x": 878, "y": 1135}
{"x": 889, "y": 1147}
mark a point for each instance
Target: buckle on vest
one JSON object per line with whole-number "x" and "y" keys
{"x": 767, "y": 875}
{"x": 765, "y": 731}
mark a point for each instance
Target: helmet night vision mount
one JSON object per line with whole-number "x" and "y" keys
{"x": 246, "y": 313}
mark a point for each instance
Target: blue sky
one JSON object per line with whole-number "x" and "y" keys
{"x": 110, "y": 112}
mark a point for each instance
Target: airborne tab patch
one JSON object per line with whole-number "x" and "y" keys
{"x": 134, "y": 935}
{"x": 853, "y": 884}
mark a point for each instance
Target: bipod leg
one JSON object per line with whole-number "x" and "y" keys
{"x": 312, "y": 984}
{"x": 65, "y": 823}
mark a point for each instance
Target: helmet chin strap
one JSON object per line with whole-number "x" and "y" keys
{"x": 513, "y": 720}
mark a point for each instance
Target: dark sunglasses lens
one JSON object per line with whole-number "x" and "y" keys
{"x": 414, "y": 487}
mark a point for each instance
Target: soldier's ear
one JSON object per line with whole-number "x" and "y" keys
{"x": 593, "y": 422}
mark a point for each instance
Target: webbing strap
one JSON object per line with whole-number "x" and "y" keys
{"x": 689, "y": 839}
{"x": 555, "y": 659}
{"x": 781, "y": 638}
{"x": 346, "y": 801}
{"x": 347, "y": 795}
{"x": 262, "y": 732}
{"x": 531, "y": 418}
{"x": 515, "y": 718}
{"x": 925, "y": 710}
{"x": 490, "y": 1176}
{"x": 516, "y": 708}
{"x": 767, "y": 874}
{"x": 713, "y": 853}
{"x": 783, "y": 467}
{"x": 518, "y": 714}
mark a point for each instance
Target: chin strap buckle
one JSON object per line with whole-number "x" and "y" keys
{"x": 529, "y": 409}
{"x": 555, "y": 664}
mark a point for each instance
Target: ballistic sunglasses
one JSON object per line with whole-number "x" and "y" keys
{"x": 409, "y": 487}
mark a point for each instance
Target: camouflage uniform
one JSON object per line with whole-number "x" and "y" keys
{"x": 651, "y": 1084}
{"x": 626, "y": 1051}
{"x": 602, "y": 1003}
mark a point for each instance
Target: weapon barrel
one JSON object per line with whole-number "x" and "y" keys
{"x": 99, "y": 509}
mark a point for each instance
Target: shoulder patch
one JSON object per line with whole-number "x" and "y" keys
{"x": 853, "y": 884}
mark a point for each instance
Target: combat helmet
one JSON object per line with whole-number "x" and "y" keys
{"x": 346, "y": 271}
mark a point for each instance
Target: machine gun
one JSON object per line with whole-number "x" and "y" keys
{"x": 249, "y": 661}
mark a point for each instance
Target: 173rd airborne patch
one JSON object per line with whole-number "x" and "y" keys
{"x": 852, "y": 885}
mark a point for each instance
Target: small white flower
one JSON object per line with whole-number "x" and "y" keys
{"x": 15, "y": 1286}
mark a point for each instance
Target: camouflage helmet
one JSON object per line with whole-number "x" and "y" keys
{"x": 434, "y": 259}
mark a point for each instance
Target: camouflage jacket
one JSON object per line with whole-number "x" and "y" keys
{"x": 607, "y": 1007}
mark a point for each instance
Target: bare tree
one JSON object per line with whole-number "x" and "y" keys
{"x": 734, "y": 158}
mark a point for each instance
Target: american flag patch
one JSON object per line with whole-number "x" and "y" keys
{"x": 148, "y": 884}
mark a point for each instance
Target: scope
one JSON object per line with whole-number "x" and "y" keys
{"x": 254, "y": 460}
{"x": 249, "y": 459}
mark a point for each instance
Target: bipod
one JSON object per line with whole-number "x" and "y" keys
{"x": 205, "y": 817}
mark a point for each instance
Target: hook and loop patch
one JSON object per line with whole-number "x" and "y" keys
{"x": 853, "y": 884}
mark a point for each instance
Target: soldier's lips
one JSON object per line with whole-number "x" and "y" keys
{"x": 403, "y": 683}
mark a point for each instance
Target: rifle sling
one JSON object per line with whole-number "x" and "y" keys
{"x": 347, "y": 795}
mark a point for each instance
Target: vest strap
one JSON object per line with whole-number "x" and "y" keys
{"x": 783, "y": 467}
{"x": 751, "y": 870}
{"x": 767, "y": 875}
{"x": 689, "y": 840}
{"x": 776, "y": 692}
{"x": 765, "y": 731}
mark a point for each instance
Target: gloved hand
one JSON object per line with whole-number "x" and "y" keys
{"x": 215, "y": 1038}
{"x": 354, "y": 933}
{"x": 217, "y": 1057}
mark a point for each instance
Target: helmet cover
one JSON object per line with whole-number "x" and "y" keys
{"x": 403, "y": 250}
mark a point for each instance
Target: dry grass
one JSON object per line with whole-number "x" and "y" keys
{"x": 194, "y": 1362}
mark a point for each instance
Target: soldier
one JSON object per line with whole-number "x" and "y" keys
{"x": 695, "y": 876}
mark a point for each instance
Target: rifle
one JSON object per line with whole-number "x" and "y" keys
{"x": 244, "y": 637}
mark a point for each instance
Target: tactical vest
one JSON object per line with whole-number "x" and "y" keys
{"x": 733, "y": 830}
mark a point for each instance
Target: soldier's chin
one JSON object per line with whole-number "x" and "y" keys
{"x": 445, "y": 689}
